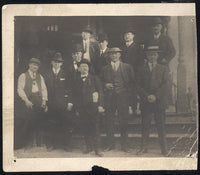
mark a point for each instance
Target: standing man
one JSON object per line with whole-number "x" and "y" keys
{"x": 152, "y": 88}
{"x": 59, "y": 104}
{"x": 102, "y": 58}
{"x": 32, "y": 91}
{"x": 132, "y": 52}
{"x": 118, "y": 80}
{"x": 88, "y": 101}
{"x": 163, "y": 41}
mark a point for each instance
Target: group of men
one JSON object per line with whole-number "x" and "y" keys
{"x": 101, "y": 81}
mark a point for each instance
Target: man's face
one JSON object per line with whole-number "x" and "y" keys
{"x": 128, "y": 36}
{"x": 152, "y": 56}
{"x": 103, "y": 44}
{"x": 56, "y": 65}
{"x": 33, "y": 67}
{"x": 115, "y": 56}
{"x": 85, "y": 35}
{"x": 157, "y": 28}
{"x": 84, "y": 69}
{"x": 77, "y": 56}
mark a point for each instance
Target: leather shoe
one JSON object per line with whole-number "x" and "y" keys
{"x": 142, "y": 151}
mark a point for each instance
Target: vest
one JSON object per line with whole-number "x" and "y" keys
{"x": 118, "y": 81}
{"x": 29, "y": 82}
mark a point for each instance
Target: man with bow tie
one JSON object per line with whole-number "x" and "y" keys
{"x": 119, "y": 92}
{"x": 33, "y": 93}
{"x": 88, "y": 102}
{"x": 59, "y": 104}
{"x": 152, "y": 83}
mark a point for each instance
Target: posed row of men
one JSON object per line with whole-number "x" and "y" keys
{"x": 100, "y": 81}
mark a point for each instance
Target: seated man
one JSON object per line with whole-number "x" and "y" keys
{"x": 32, "y": 90}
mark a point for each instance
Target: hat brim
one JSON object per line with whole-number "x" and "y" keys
{"x": 60, "y": 61}
{"x": 158, "y": 51}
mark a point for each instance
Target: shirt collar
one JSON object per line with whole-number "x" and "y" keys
{"x": 31, "y": 73}
{"x": 103, "y": 50}
{"x": 129, "y": 43}
{"x": 157, "y": 36}
{"x": 56, "y": 71}
{"x": 116, "y": 63}
{"x": 84, "y": 75}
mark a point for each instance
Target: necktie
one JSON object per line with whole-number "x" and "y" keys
{"x": 101, "y": 53}
{"x": 34, "y": 78}
{"x": 85, "y": 49}
{"x": 114, "y": 67}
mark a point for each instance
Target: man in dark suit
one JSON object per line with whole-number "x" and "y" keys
{"x": 163, "y": 41}
{"x": 118, "y": 80}
{"x": 58, "y": 104}
{"x": 88, "y": 102}
{"x": 102, "y": 58}
{"x": 152, "y": 88}
{"x": 132, "y": 52}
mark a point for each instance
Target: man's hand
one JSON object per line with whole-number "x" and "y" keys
{"x": 28, "y": 104}
{"x": 151, "y": 98}
{"x": 130, "y": 110}
{"x": 101, "y": 109}
{"x": 109, "y": 86}
{"x": 69, "y": 106}
{"x": 95, "y": 97}
{"x": 44, "y": 104}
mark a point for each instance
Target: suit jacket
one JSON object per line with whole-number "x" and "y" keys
{"x": 100, "y": 61}
{"x": 82, "y": 92}
{"x": 153, "y": 82}
{"x": 133, "y": 55}
{"x": 58, "y": 89}
{"x": 107, "y": 76}
{"x": 166, "y": 46}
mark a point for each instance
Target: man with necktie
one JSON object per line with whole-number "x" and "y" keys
{"x": 152, "y": 83}
{"x": 59, "y": 104}
{"x": 119, "y": 93}
{"x": 32, "y": 91}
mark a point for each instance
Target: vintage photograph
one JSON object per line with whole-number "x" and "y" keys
{"x": 100, "y": 87}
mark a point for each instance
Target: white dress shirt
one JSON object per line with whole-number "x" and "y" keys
{"x": 86, "y": 46}
{"x": 21, "y": 85}
{"x": 102, "y": 51}
{"x": 129, "y": 43}
{"x": 115, "y": 65}
{"x": 85, "y": 76}
{"x": 157, "y": 36}
{"x": 56, "y": 71}
{"x": 75, "y": 65}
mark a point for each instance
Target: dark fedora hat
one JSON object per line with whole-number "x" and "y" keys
{"x": 87, "y": 29}
{"x": 77, "y": 48}
{"x": 57, "y": 57}
{"x": 114, "y": 49}
{"x": 84, "y": 61}
{"x": 157, "y": 20}
{"x": 152, "y": 48}
{"x": 35, "y": 60}
{"x": 102, "y": 37}
{"x": 130, "y": 29}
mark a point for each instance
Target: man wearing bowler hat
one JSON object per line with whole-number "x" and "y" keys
{"x": 58, "y": 104}
{"x": 88, "y": 102}
{"x": 119, "y": 93}
{"x": 152, "y": 83}
{"x": 132, "y": 52}
{"x": 32, "y": 91}
{"x": 89, "y": 47}
{"x": 102, "y": 56}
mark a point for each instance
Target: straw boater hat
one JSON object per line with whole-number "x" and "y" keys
{"x": 35, "y": 60}
{"x": 57, "y": 57}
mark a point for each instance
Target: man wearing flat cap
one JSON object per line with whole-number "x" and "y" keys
{"x": 119, "y": 93}
{"x": 102, "y": 56}
{"x": 89, "y": 47}
{"x": 59, "y": 104}
{"x": 152, "y": 83}
{"x": 32, "y": 91}
{"x": 132, "y": 52}
{"x": 88, "y": 102}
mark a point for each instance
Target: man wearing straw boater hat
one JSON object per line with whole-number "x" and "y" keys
{"x": 152, "y": 83}
{"x": 32, "y": 91}
{"x": 119, "y": 93}
{"x": 58, "y": 104}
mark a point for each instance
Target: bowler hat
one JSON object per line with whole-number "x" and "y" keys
{"x": 87, "y": 29}
{"x": 83, "y": 61}
{"x": 152, "y": 48}
{"x": 57, "y": 57}
{"x": 114, "y": 49}
{"x": 34, "y": 60}
{"x": 102, "y": 37}
{"x": 157, "y": 20}
{"x": 129, "y": 29}
{"x": 77, "y": 48}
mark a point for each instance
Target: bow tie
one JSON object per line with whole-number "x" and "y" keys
{"x": 83, "y": 77}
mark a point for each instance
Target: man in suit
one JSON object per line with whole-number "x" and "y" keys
{"x": 89, "y": 47}
{"x": 59, "y": 104}
{"x": 163, "y": 41}
{"x": 118, "y": 80}
{"x": 102, "y": 58}
{"x": 152, "y": 88}
{"x": 132, "y": 52}
{"x": 32, "y": 91}
{"x": 88, "y": 102}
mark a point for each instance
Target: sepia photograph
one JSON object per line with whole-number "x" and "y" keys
{"x": 101, "y": 86}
